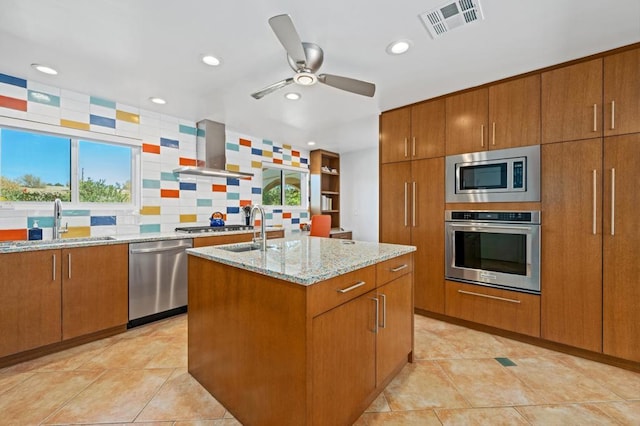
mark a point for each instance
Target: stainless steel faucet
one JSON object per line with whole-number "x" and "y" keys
{"x": 57, "y": 220}
{"x": 252, "y": 221}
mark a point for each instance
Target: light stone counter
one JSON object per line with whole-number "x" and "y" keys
{"x": 302, "y": 259}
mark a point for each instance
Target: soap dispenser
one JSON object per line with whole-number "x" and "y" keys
{"x": 35, "y": 233}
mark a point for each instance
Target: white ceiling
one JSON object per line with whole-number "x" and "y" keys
{"x": 129, "y": 50}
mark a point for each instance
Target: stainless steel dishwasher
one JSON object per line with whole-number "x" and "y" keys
{"x": 157, "y": 280}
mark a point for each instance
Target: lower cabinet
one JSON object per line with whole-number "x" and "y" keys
{"x": 215, "y": 240}
{"x": 508, "y": 310}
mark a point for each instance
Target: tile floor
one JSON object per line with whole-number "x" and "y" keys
{"x": 461, "y": 377}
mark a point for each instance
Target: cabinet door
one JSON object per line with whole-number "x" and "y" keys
{"x": 571, "y": 252}
{"x": 215, "y": 240}
{"x": 571, "y": 102}
{"x": 395, "y": 187}
{"x": 428, "y": 233}
{"x": 343, "y": 360}
{"x": 427, "y": 129}
{"x": 95, "y": 289}
{"x": 395, "y": 325}
{"x": 467, "y": 116}
{"x": 395, "y": 128}
{"x": 621, "y": 93}
{"x": 514, "y": 113}
{"x": 621, "y": 235}
{"x": 30, "y": 302}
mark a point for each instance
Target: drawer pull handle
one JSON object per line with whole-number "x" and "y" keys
{"x": 488, "y": 296}
{"x": 353, "y": 287}
{"x": 399, "y": 268}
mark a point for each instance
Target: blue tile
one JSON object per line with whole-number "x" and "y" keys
{"x": 277, "y": 149}
{"x": 102, "y": 102}
{"x": 277, "y": 210}
{"x": 187, "y": 186}
{"x": 170, "y": 176}
{"x": 151, "y": 183}
{"x": 204, "y": 202}
{"x": 295, "y": 220}
{"x": 256, "y": 151}
{"x": 233, "y": 147}
{"x": 233, "y": 182}
{"x": 14, "y": 81}
{"x": 43, "y": 98}
{"x": 145, "y": 229}
{"x": 188, "y": 130}
{"x": 169, "y": 143}
{"x": 232, "y": 210}
{"x": 256, "y": 190}
{"x": 233, "y": 196}
{"x": 103, "y": 220}
{"x": 304, "y": 161}
{"x": 102, "y": 121}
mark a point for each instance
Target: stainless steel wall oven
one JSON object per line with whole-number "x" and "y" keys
{"x": 494, "y": 248}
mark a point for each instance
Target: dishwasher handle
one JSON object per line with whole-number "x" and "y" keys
{"x": 159, "y": 249}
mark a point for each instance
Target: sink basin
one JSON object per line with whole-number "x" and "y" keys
{"x": 239, "y": 248}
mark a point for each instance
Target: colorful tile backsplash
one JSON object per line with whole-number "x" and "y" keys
{"x": 167, "y": 200}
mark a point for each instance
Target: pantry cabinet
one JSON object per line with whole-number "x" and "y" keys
{"x": 467, "y": 117}
{"x": 413, "y": 132}
{"x": 622, "y": 93}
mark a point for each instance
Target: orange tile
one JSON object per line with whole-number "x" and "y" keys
{"x": 152, "y": 149}
{"x": 245, "y": 203}
{"x": 295, "y": 153}
{"x": 286, "y": 215}
{"x": 187, "y": 161}
{"x": 245, "y": 142}
{"x": 169, "y": 193}
{"x": 277, "y": 161}
{"x": 13, "y": 234}
{"x": 219, "y": 188}
{"x": 13, "y": 103}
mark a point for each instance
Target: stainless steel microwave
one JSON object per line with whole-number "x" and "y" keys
{"x": 505, "y": 175}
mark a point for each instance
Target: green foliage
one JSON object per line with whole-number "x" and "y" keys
{"x": 12, "y": 190}
{"x": 90, "y": 191}
{"x": 31, "y": 181}
{"x": 97, "y": 191}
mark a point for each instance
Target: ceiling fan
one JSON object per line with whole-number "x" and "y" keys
{"x": 305, "y": 59}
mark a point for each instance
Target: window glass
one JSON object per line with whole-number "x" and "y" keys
{"x": 292, "y": 188}
{"x": 271, "y": 187}
{"x": 104, "y": 173}
{"x": 34, "y": 166}
{"x": 283, "y": 187}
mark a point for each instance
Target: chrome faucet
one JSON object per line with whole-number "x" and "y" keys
{"x": 57, "y": 220}
{"x": 252, "y": 221}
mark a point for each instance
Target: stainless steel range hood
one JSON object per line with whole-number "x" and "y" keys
{"x": 211, "y": 150}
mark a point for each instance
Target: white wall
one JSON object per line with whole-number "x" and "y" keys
{"x": 359, "y": 193}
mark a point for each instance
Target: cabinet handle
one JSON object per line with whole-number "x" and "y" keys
{"x": 413, "y": 146}
{"x": 399, "y": 268}
{"x": 489, "y": 296}
{"x": 406, "y": 206}
{"x": 413, "y": 206}
{"x": 353, "y": 287}
{"x": 69, "y": 263}
{"x": 482, "y": 135}
{"x": 406, "y": 152}
{"x": 613, "y": 115}
{"x": 384, "y": 310}
{"x": 54, "y": 267}
{"x": 377, "y": 302}
{"x": 493, "y": 134}
{"x": 613, "y": 201}
{"x": 594, "y": 202}
{"x": 595, "y": 117}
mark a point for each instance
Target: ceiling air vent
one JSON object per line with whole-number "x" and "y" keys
{"x": 451, "y": 15}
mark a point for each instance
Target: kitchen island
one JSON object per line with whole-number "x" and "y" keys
{"x": 307, "y": 333}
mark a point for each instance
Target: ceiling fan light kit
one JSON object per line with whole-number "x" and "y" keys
{"x": 305, "y": 59}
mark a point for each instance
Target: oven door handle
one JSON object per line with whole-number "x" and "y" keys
{"x": 489, "y": 228}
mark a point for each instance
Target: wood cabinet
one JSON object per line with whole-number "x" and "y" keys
{"x": 621, "y": 93}
{"x": 325, "y": 185}
{"x": 214, "y": 240}
{"x": 413, "y": 132}
{"x": 95, "y": 285}
{"x": 30, "y": 304}
{"x": 571, "y": 249}
{"x": 503, "y": 115}
{"x": 621, "y": 244}
{"x": 412, "y": 212}
{"x": 508, "y": 310}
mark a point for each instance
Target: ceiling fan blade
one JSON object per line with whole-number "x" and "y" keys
{"x": 272, "y": 88}
{"x": 283, "y": 27}
{"x": 349, "y": 84}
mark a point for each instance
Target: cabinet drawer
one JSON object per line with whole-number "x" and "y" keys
{"x": 327, "y": 294}
{"x": 393, "y": 268}
{"x": 509, "y": 310}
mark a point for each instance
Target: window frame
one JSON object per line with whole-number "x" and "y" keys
{"x": 75, "y": 136}
{"x": 304, "y": 186}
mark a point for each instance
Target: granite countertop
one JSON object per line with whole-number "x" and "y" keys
{"x": 302, "y": 259}
{"x": 22, "y": 246}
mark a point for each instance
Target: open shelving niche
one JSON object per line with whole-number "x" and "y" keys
{"x": 325, "y": 185}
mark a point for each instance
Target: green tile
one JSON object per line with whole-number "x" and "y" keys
{"x": 151, "y": 183}
{"x": 506, "y": 362}
{"x": 169, "y": 176}
{"x": 204, "y": 202}
{"x": 43, "y": 98}
{"x": 145, "y": 229}
{"x": 188, "y": 130}
{"x": 102, "y": 102}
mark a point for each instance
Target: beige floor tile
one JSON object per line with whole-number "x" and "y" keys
{"x": 128, "y": 353}
{"x": 626, "y": 412}
{"x": 558, "y": 383}
{"x": 399, "y": 418}
{"x": 422, "y": 385}
{"x": 117, "y": 396}
{"x": 219, "y": 422}
{"x": 379, "y": 405}
{"x": 34, "y": 399}
{"x": 565, "y": 415}
{"x": 506, "y": 416}
{"x": 516, "y": 348}
{"x": 466, "y": 343}
{"x": 10, "y": 379}
{"x": 181, "y": 398}
{"x": 172, "y": 355}
{"x": 430, "y": 346}
{"x": 486, "y": 383}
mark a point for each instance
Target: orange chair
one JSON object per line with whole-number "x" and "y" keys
{"x": 320, "y": 225}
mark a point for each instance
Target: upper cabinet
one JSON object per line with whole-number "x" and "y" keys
{"x": 413, "y": 132}
{"x": 504, "y": 115}
{"x": 622, "y": 93}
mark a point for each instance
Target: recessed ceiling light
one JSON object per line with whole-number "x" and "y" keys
{"x": 44, "y": 69}
{"x": 292, "y": 96}
{"x": 398, "y": 47}
{"x": 311, "y": 143}
{"x": 211, "y": 60}
{"x": 158, "y": 101}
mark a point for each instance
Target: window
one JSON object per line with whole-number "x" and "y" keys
{"x": 284, "y": 187}
{"x": 42, "y": 167}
